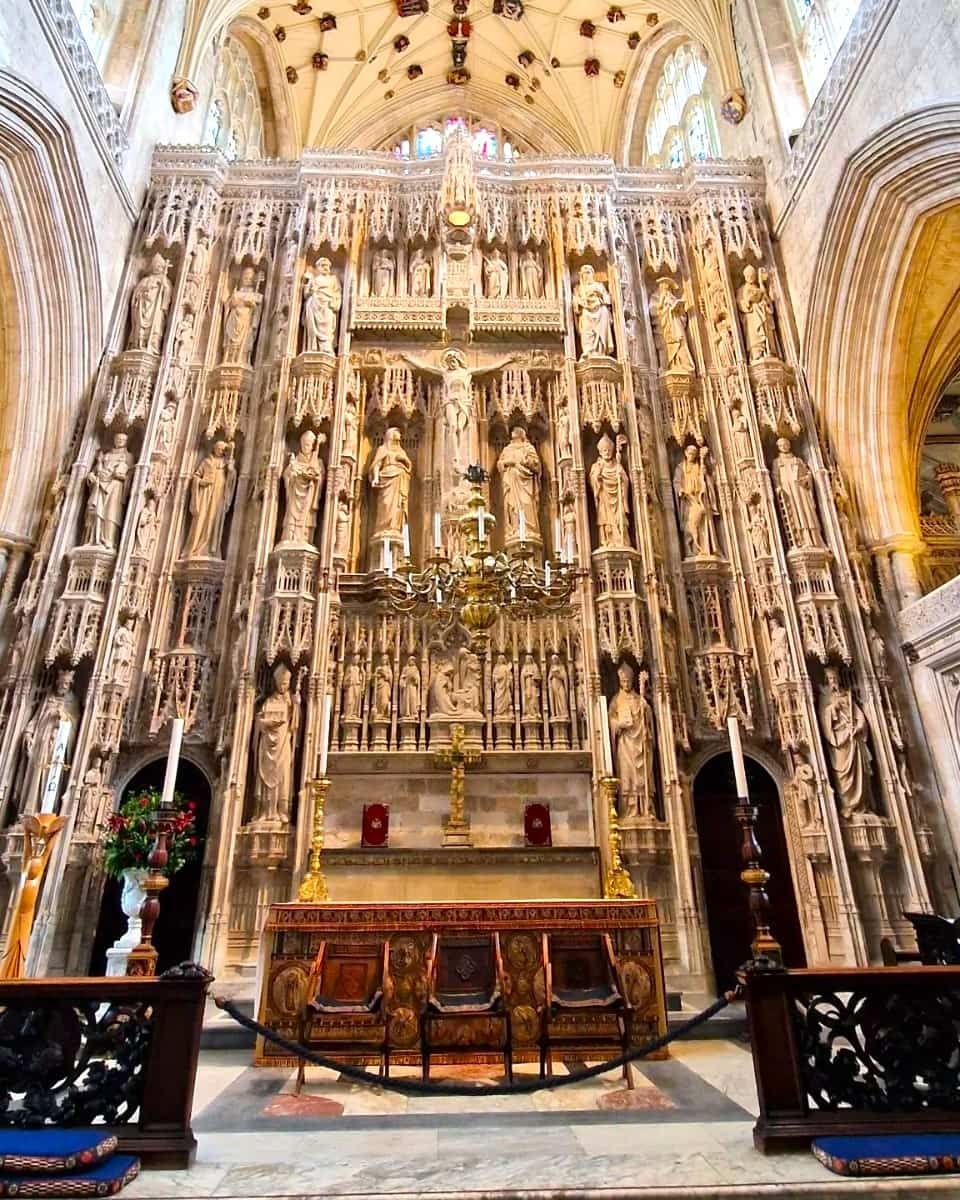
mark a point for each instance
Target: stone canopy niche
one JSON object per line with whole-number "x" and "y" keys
{"x": 306, "y": 359}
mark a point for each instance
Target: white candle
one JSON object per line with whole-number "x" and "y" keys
{"x": 51, "y": 790}
{"x": 558, "y": 539}
{"x": 481, "y": 524}
{"x": 439, "y": 597}
{"x": 325, "y": 734}
{"x": 606, "y": 749}
{"x": 523, "y": 526}
{"x": 546, "y": 574}
{"x": 569, "y": 547}
{"x": 388, "y": 558}
{"x": 736, "y": 749}
{"x": 437, "y": 538}
{"x": 406, "y": 540}
{"x": 173, "y": 759}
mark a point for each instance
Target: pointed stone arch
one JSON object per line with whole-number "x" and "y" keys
{"x": 874, "y": 402}
{"x": 51, "y": 301}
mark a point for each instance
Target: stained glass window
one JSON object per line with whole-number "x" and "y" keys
{"x": 429, "y": 142}
{"x": 680, "y": 127}
{"x": 489, "y": 141}
{"x": 819, "y": 29}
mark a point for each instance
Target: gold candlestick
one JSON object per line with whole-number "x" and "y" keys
{"x": 617, "y": 884}
{"x": 313, "y": 886}
{"x": 39, "y": 833}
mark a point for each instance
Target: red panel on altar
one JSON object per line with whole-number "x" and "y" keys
{"x": 376, "y": 825}
{"x": 536, "y": 825}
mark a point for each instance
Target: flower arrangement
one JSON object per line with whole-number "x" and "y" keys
{"x": 131, "y": 834}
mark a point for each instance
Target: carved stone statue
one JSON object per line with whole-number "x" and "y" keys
{"x": 382, "y": 271}
{"x": 90, "y": 793}
{"x": 341, "y": 537}
{"x": 108, "y": 488}
{"x": 631, "y": 730}
{"x": 845, "y": 732}
{"x": 389, "y": 475}
{"x": 124, "y": 647}
{"x": 148, "y": 522}
{"x": 40, "y": 736}
{"x": 696, "y": 495}
{"x": 779, "y": 652}
{"x": 410, "y": 684}
{"x": 442, "y": 698}
{"x": 557, "y": 689}
{"x": 496, "y": 275}
{"x": 591, "y": 305}
{"x": 351, "y": 429}
{"x": 502, "y": 688}
{"x": 878, "y": 652}
{"x": 184, "y": 340}
{"x": 166, "y": 428}
{"x": 211, "y": 494}
{"x": 148, "y": 307}
{"x": 275, "y": 727}
{"x": 520, "y": 470}
{"x": 805, "y": 794}
{"x": 352, "y": 687}
{"x": 241, "y": 319}
{"x": 531, "y": 682}
{"x": 322, "y": 297}
{"x": 382, "y": 689}
{"x": 756, "y": 306}
{"x": 611, "y": 493}
{"x": 531, "y": 276}
{"x": 421, "y": 274}
{"x": 793, "y": 484}
{"x": 758, "y": 529}
{"x": 302, "y": 485}
{"x": 469, "y": 693}
{"x": 672, "y": 317}
{"x": 742, "y": 446}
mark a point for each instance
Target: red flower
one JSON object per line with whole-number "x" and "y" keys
{"x": 192, "y": 841}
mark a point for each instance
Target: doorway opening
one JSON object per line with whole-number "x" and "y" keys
{"x": 725, "y": 897}
{"x": 174, "y": 932}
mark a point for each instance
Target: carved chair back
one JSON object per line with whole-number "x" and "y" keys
{"x": 349, "y": 973}
{"x": 465, "y": 967}
{"x": 580, "y": 964}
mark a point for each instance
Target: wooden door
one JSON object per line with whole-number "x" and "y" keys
{"x": 725, "y": 897}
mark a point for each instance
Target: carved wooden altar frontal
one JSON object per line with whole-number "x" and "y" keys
{"x": 294, "y": 932}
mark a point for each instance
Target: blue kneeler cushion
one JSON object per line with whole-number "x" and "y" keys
{"x": 104, "y": 1179}
{"x": 49, "y": 1151}
{"x": 891, "y": 1154}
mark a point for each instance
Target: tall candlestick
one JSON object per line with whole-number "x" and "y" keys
{"x": 325, "y": 734}
{"x": 51, "y": 790}
{"x": 173, "y": 759}
{"x": 605, "y": 744}
{"x": 437, "y": 537}
{"x": 736, "y": 750}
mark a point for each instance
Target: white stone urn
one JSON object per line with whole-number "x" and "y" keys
{"x": 131, "y": 901}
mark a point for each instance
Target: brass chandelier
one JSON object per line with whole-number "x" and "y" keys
{"x": 474, "y": 588}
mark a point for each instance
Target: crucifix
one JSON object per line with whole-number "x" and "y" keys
{"x": 456, "y": 828}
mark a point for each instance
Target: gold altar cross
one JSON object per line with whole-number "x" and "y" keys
{"x": 456, "y": 828}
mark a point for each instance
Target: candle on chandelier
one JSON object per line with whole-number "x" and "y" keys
{"x": 406, "y": 540}
{"x": 481, "y": 524}
{"x": 558, "y": 538}
{"x": 546, "y": 574}
{"x": 325, "y": 734}
{"x": 736, "y": 750}
{"x": 569, "y": 547}
{"x": 523, "y": 526}
{"x": 388, "y": 558}
{"x": 173, "y": 759}
{"x": 437, "y": 538}
{"x": 606, "y": 749}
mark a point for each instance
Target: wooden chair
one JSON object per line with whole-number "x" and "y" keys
{"x": 465, "y": 984}
{"x": 344, "y": 1014}
{"x": 583, "y": 980}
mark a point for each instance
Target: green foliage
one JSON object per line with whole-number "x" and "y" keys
{"x": 131, "y": 834}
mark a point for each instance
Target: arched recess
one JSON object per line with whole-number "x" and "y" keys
{"x": 281, "y": 133}
{"x": 631, "y": 146}
{"x": 50, "y": 298}
{"x": 881, "y": 273}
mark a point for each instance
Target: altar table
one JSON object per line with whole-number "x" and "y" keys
{"x": 294, "y": 932}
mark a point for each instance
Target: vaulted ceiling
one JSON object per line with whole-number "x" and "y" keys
{"x": 558, "y": 73}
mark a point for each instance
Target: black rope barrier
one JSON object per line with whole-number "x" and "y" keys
{"x": 417, "y": 1087}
